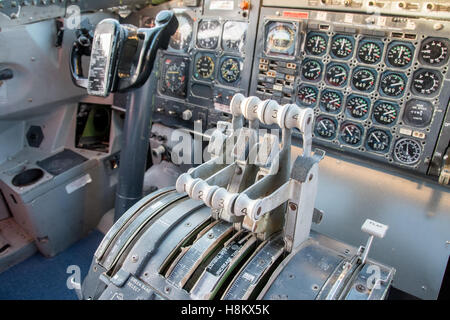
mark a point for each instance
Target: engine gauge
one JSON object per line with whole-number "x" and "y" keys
{"x": 311, "y": 70}
{"x": 230, "y": 70}
{"x": 341, "y": 47}
{"x": 174, "y": 76}
{"x": 336, "y": 75}
{"x": 357, "y": 106}
{"x": 204, "y": 67}
{"x": 351, "y": 134}
{"x": 364, "y": 79}
{"x": 208, "y": 34}
{"x": 181, "y": 39}
{"x": 370, "y": 52}
{"x": 426, "y": 82}
{"x": 407, "y": 151}
{"x": 378, "y": 140}
{"x": 330, "y": 101}
{"x": 434, "y": 51}
{"x": 234, "y": 34}
{"x": 392, "y": 84}
{"x": 316, "y": 44}
{"x": 385, "y": 113}
{"x": 325, "y": 127}
{"x": 399, "y": 55}
{"x": 418, "y": 113}
{"x": 307, "y": 96}
{"x": 280, "y": 38}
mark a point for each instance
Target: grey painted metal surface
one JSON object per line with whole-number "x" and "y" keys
{"x": 417, "y": 212}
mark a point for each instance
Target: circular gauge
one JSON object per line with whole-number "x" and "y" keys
{"x": 341, "y": 47}
{"x": 330, "y": 101}
{"x": 399, "y": 55}
{"x": 204, "y": 67}
{"x": 307, "y": 96}
{"x": 385, "y": 113}
{"x": 280, "y": 38}
{"x": 336, "y": 75}
{"x": 392, "y": 84}
{"x": 407, "y": 151}
{"x": 325, "y": 127}
{"x": 181, "y": 39}
{"x": 357, "y": 106}
{"x": 364, "y": 79}
{"x": 426, "y": 82}
{"x": 311, "y": 70}
{"x": 208, "y": 34}
{"x": 316, "y": 44}
{"x": 230, "y": 70}
{"x": 378, "y": 140}
{"x": 369, "y": 52}
{"x": 418, "y": 113}
{"x": 434, "y": 52}
{"x": 234, "y": 34}
{"x": 174, "y": 77}
{"x": 351, "y": 134}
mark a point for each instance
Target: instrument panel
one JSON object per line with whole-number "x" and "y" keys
{"x": 208, "y": 60}
{"x": 376, "y": 92}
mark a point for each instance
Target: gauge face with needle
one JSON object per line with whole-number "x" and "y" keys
{"x": 370, "y": 52}
{"x": 325, "y": 127}
{"x": 392, "y": 84}
{"x": 351, "y": 134}
{"x": 357, "y": 106}
{"x": 399, "y": 55}
{"x": 316, "y": 44}
{"x": 364, "y": 79}
{"x": 385, "y": 113}
{"x": 378, "y": 140}
{"x": 407, "y": 151}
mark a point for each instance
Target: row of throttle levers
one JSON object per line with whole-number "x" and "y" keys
{"x": 250, "y": 180}
{"x": 249, "y": 176}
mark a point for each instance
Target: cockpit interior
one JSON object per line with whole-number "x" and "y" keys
{"x": 224, "y": 149}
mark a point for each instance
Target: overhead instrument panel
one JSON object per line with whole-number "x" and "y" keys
{"x": 379, "y": 89}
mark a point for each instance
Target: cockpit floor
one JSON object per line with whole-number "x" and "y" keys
{"x": 40, "y": 278}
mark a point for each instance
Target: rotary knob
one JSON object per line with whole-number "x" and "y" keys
{"x": 186, "y": 115}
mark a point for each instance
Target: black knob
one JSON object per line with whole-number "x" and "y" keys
{"x": 6, "y": 74}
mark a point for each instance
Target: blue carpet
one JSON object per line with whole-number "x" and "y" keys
{"x": 40, "y": 278}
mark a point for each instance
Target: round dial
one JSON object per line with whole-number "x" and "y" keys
{"x": 341, "y": 47}
{"x": 434, "y": 52}
{"x": 357, "y": 106}
{"x": 407, "y": 151}
{"x": 336, "y": 75}
{"x": 181, "y": 39}
{"x": 208, "y": 34}
{"x": 418, "y": 113}
{"x": 234, "y": 34}
{"x": 330, "y": 101}
{"x": 230, "y": 70}
{"x": 426, "y": 82}
{"x": 392, "y": 84}
{"x": 385, "y": 113}
{"x": 369, "y": 52}
{"x": 311, "y": 70}
{"x": 364, "y": 79}
{"x": 204, "y": 67}
{"x": 307, "y": 96}
{"x": 325, "y": 127}
{"x": 399, "y": 55}
{"x": 175, "y": 76}
{"x": 378, "y": 141}
{"x": 280, "y": 38}
{"x": 316, "y": 44}
{"x": 350, "y": 134}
